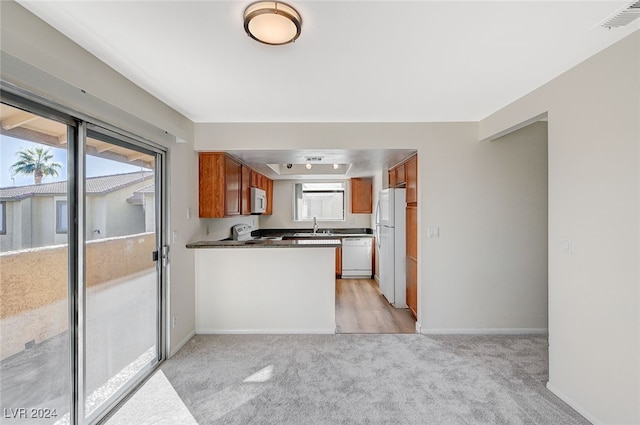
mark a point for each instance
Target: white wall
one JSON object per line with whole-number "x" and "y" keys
{"x": 594, "y": 194}
{"x": 487, "y": 272}
{"x": 39, "y": 59}
{"x": 282, "y": 217}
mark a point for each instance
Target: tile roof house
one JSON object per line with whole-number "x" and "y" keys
{"x": 35, "y": 215}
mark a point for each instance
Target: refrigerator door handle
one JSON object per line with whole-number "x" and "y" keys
{"x": 378, "y": 224}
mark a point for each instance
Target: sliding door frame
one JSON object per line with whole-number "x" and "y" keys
{"x": 79, "y": 125}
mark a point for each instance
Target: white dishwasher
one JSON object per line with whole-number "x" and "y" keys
{"x": 356, "y": 257}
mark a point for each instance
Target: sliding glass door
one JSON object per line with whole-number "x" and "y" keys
{"x": 121, "y": 284}
{"x": 81, "y": 264}
{"x": 35, "y": 376}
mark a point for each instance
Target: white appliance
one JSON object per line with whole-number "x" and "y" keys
{"x": 258, "y": 200}
{"x": 357, "y": 257}
{"x": 241, "y": 232}
{"x": 390, "y": 236}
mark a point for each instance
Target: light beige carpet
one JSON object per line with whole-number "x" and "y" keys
{"x": 366, "y": 379}
{"x": 156, "y": 403}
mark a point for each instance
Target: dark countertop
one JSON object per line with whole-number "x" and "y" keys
{"x": 359, "y": 232}
{"x": 289, "y": 240}
{"x": 289, "y": 243}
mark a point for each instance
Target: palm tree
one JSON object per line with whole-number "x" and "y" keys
{"x": 35, "y": 161}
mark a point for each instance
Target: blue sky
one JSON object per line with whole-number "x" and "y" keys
{"x": 95, "y": 166}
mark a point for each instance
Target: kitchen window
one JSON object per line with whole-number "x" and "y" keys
{"x": 324, "y": 201}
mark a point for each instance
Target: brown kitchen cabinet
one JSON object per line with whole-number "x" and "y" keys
{"x": 269, "y": 209}
{"x": 245, "y": 201}
{"x": 219, "y": 185}
{"x": 339, "y": 261}
{"x": 362, "y": 195}
{"x": 397, "y": 176}
{"x": 211, "y": 191}
{"x": 411, "y": 179}
{"x": 232, "y": 187}
{"x": 400, "y": 175}
{"x": 412, "y": 258}
{"x": 224, "y": 186}
{"x": 412, "y": 285}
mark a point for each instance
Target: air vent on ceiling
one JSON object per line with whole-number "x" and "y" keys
{"x": 624, "y": 17}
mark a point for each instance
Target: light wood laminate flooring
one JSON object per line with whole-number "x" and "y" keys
{"x": 361, "y": 308}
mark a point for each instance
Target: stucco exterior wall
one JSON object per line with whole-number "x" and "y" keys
{"x": 37, "y": 277}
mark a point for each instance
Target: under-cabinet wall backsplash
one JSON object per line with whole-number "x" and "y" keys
{"x": 215, "y": 229}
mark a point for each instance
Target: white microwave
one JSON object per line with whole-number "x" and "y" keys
{"x": 258, "y": 200}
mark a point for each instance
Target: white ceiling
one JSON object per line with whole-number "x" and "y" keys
{"x": 356, "y": 61}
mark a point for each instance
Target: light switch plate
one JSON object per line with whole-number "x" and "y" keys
{"x": 566, "y": 245}
{"x": 433, "y": 232}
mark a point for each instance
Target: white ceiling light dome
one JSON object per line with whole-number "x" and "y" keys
{"x": 272, "y": 22}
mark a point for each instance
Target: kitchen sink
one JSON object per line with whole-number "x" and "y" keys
{"x": 311, "y": 235}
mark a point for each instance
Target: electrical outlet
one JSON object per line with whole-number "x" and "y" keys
{"x": 174, "y": 321}
{"x": 207, "y": 230}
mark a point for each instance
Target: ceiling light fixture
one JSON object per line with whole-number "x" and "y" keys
{"x": 335, "y": 166}
{"x": 308, "y": 166}
{"x": 272, "y": 22}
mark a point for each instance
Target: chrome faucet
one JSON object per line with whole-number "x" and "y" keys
{"x": 315, "y": 226}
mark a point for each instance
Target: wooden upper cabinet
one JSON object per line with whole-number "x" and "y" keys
{"x": 361, "y": 195}
{"x": 233, "y": 186}
{"x": 397, "y": 176}
{"x": 211, "y": 180}
{"x": 411, "y": 174}
{"x": 245, "y": 187}
{"x": 392, "y": 177}
{"x": 219, "y": 185}
{"x": 263, "y": 182}
{"x": 224, "y": 186}
{"x": 269, "y": 209}
{"x": 400, "y": 175}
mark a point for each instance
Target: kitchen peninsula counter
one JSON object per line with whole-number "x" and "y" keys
{"x": 243, "y": 289}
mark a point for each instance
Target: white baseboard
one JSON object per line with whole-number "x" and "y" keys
{"x": 264, "y": 331}
{"x": 575, "y": 406}
{"x": 418, "y": 328}
{"x": 182, "y": 343}
{"x": 485, "y": 331}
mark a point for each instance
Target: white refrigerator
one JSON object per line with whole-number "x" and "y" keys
{"x": 390, "y": 236}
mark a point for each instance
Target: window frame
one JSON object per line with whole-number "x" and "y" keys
{"x": 342, "y": 190}
{"x": 59, "y": 229}
{"x": 3, "y": 219}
